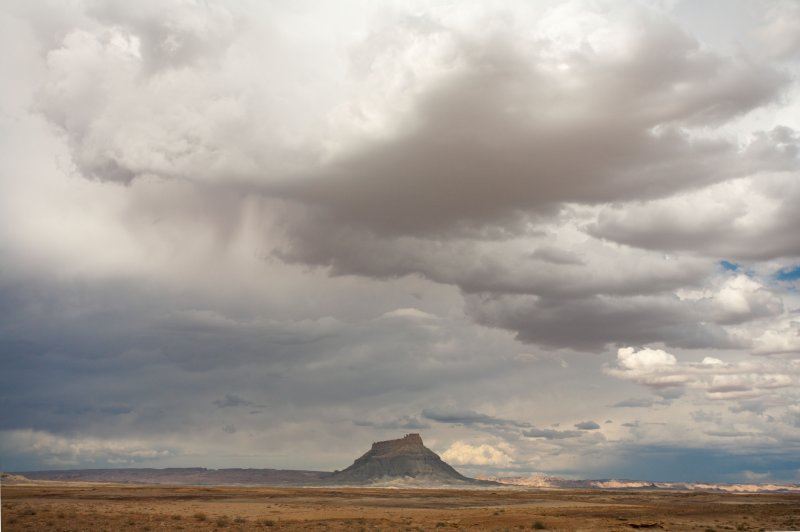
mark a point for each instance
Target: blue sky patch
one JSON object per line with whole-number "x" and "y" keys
{"x": 788, "y": 274}
{"x": 729, "y": 266}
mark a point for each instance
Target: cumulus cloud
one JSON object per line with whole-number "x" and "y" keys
{"x": 462, "y": 453}
{"x": 644, "y": 359}
{"x": 183, "y": 81}
{"x": 659, "y": 369}
{"x": 172, "y": 35}
{"x": 783, "y": 339}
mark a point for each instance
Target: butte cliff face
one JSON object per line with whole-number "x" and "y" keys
{"x": 403, "y": 459}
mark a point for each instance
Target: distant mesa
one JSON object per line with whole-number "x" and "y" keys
{"x": 192, "y": 476}
{"x": 404, "y": 459}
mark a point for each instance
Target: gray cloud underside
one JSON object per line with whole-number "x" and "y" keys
{"x": 504, "y": 130}
{"x": 593, "y": 322}
{"x": 704, "y": 223}
{"x": 466, "y": 417}
{"x": 551, "y": 434}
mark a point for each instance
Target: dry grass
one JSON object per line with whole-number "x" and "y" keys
{"x": 65, "y": 507}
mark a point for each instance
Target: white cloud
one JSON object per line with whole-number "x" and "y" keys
{"x": 644, "y": 359}
{"x": 779, "y": 33}
{"x": 59, "y": 450}
{"x": 651, "y": 367}
{"x": 783, "y": 339}
{"x": 741, "y": 298}
{"x": 775, "y": 380}
{"x": 409, "y": 313}
{"x": 462, "y": 453}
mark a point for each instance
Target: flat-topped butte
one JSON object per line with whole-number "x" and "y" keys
{"x": 405, "y": 458}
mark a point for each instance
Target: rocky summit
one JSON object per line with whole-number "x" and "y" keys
{"x": 404, "y": 459}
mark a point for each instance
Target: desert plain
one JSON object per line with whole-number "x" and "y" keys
{"x": 66, "y": 506}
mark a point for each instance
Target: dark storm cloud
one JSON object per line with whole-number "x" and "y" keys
{"x": 556, "y": 255}
{"x": 231, "y": 400}
{"x": 697, "y": 464}
{"x": 591, "y": 323}
{"x": 128, "y": 367}
{"x": 466, "y": 417}
{"x": 502, "y": 129}
{"x": 493, "y": 267}
{"x": 551, "y": 434}
{"x": 724, "y": 221}
{"x": 639, "y": 402}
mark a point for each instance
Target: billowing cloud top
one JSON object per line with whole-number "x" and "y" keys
{"x": 284, "y": 228}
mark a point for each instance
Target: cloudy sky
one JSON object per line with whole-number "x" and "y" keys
{"x": 557, "y": 237}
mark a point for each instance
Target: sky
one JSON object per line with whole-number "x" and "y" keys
{"x": 551, "y": 237}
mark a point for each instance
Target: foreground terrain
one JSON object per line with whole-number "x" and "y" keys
{"x": 112, "y": 507}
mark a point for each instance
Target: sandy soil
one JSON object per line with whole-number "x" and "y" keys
{"x": 73, "y": 507}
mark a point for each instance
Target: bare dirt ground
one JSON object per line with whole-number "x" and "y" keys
{"x": 78, "y": 507}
